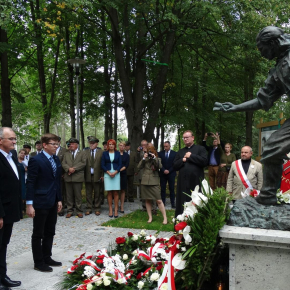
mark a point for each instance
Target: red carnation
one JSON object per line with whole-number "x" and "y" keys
{"x": 130, "y": 234}
{"x": 120, "y": 240}
{"x": 101, "y": 257}
{"x": 139, "y": 276}
{"x": 89, "y": 257}
{"x": 159, "y": 267}
{"x": 180, "y": 226}
{"x": 254, "y": 193}
{"x": 99, "y": 261}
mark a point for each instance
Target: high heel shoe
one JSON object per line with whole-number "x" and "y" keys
{"x": 116, "y": 216}
{"x": 110, "y": 216}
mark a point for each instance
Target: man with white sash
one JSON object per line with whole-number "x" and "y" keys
{"x": 245, "y": 173}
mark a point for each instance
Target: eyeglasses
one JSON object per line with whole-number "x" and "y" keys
{"x": 11, "y": 139}
{"x": 54, "y": 144}
{"x": 187, "y": 137}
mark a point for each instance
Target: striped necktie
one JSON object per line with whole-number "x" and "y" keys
{"x": 53, "y": 165}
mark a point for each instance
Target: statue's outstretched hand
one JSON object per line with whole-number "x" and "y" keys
{"x": 224, "y": 107}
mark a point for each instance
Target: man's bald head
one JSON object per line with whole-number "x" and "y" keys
{"x": 246, "y": 153}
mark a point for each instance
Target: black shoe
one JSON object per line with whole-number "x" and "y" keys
{"x": 173, "y": 206}
{"x": 6, "y": 281}
{"x": 42, "y": 268}
{"x": 52, "y": 263}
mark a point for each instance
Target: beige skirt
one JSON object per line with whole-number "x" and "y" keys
{"x": 150, "y": 192}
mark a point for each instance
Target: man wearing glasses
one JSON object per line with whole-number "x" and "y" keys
{"x": 190, "y": 162}
{"x": 43, "y": 199}
{"x": 10, "y": 200}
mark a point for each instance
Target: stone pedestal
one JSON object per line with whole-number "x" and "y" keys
{"x": 259, "y": 258}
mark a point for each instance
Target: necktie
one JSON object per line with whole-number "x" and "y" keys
{"x": 92, "y": 159}
{"x": 166, "y": 155}
{"x": 53, "y": 165}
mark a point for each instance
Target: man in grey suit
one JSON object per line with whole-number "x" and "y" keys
{"x": 38, "y": 147}
{"x": 74, "y": 163}
{"x": 93, "y": 176}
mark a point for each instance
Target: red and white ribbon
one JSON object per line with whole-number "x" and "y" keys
{"x": 90, "y": 263}
{"x": 242, "y": 174}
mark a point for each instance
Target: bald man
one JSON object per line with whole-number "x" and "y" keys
{"x": 244, "y": 173}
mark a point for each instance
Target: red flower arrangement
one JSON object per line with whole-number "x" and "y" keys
{"x": 254, "y": 193}
{"x": 120, "y": 240}
{"x": 180, "y": 226}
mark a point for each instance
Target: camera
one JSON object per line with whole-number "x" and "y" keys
{"x": 150, "y": 155}
{"x": 140, "y": 148}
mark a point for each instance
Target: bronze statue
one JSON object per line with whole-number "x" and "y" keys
{"x": 272, "y": 43}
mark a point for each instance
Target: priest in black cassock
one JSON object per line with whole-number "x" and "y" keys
{"x": 190, "y": 162}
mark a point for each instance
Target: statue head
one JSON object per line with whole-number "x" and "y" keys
{"x": 272, "y": 41}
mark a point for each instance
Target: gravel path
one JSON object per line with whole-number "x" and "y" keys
{"x": 73, "y": 237}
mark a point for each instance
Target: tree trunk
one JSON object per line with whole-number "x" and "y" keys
{"x": 5, "y": 85}
{"x": 71, "y": 86}
{"x": 35, "y": 14}
{"x": 107, "y": 82}
{"x": 159, "y": 85}
{"x": 116, "y": 106}
{"x": 81, "y": 83}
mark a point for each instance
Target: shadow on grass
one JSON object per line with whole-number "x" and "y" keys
{"x": 138, "y": 220}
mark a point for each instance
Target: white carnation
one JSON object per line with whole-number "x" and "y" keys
{"x": 154, "y": 277}
{"x": 107, "y": 282}
{"x": 164, "y": 286}
{"x": 135, "y": 237}
{"x": 140, "y": 285}
{"x": 125, "y": 257}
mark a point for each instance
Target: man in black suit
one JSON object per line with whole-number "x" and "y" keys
{"x": 167, "y": 173}
{"x": 38, "y": 147}
{"x": 43, "y": 199}
{"x": 10, "y": 200}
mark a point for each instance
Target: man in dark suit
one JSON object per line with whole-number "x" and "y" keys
{"x": 60, "y": 151}
{"x": 167, "y": 173}
{"x": 10, "y": 200}
{"x": 43, "y": 199}
{"x": 130, "y": 192}
{"x": 38, "y": 147}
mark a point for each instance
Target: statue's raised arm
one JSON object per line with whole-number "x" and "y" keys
{"x": 251, "y": 105}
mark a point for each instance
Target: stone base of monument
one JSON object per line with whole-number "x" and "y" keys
{"x": 259, "y": 258}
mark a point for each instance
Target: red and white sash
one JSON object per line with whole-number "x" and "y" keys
{"x": 242, "y": 174}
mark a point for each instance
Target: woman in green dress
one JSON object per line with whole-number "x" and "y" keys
{"x": 227, "y": 158}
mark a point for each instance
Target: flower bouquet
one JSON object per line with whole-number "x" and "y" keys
{"x": 141, "y": 261}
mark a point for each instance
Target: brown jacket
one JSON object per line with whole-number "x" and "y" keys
{"x": 61, "y": 153}
{"x": 79, "y": 163}
{"x": 98, "y": 172}
{"x": 150, "y": 176}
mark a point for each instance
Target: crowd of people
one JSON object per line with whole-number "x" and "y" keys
{"x": 50, "y": 180}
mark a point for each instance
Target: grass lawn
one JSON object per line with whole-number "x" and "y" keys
{"x": 138, "y": 220}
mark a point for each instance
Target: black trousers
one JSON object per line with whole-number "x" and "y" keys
{"x": 164, "y": 178}
{"x": 43, "y": 232}
{"x": 5, "y": 234}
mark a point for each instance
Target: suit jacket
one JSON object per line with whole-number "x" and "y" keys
{"x": 98, "y": 172}
{"x": 106, "y": 161}
{"x": 150, "y": 176}
{"x": 167, "y": 163}
{"x": 255, "y": 176}
{"x": 132, "y": 163}
{"x": 10, "y": 191}
{"x": 79, "y": 163}
{"x": 42, "y": 187}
